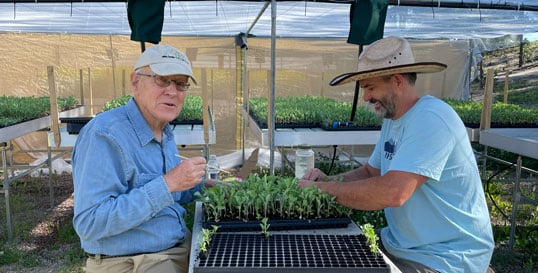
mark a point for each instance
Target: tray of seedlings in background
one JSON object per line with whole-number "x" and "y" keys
{"x": 242, "y": 206}
{"x": 364, "y": 120}
{"x": 14, "y": 110}
{"x": 191, "y": 113}
{"x": 290, "y": 112}
{"x": 313, "y": 112}
{"x": 253, "y": 253}
{"x": 503, "y": 115}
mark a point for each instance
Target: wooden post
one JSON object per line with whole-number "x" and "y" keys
{"x": 113, "y": 66}
{"x": 205, "y": 105}
{"x": 53, "y": 106}
{"x": 91, "y": 91}
{"x": 485, "y": 122}
{"x": 123, "y": 82}
{"x": 81, "y": 80}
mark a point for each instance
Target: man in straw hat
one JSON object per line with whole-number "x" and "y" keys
{"x": 129, "y": 182}
{"x": 422, "y": 171}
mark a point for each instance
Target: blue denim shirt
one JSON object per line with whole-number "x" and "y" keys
{"x": 122, "y": 204}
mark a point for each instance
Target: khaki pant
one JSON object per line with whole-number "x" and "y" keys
{"x": 173, "y": 260}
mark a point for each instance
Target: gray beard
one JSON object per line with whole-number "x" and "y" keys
{"x": 381, "y": 113}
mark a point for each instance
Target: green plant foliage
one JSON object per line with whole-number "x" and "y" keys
{"x": 67, "y": 234}
{"x": 310, "y": 110}
{"x": 265, "y": 227}
{"x": 371, "y": 237}
{"x": 207, "y": 235}
{"x": 15, "y": 110}
{"x": 373, "y": 217}
{"x": 273, "y": 197}
{"x": 191, "y": 110}
{"x": 10, "y": 256}
{"x": 501, "y": 113}
{"x": 526, "y": 98}
{"x": 111, "y": 104}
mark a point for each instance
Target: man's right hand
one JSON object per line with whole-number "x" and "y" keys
{"x": 186, "y": 175}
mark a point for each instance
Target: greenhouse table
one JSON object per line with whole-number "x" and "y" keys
{"x": 473, "y": 133}
{"x": 351, "y": 229}
{"x": 23, "y": 128}
{"x": 521, "y": 141}
{"x": 292, "y": 137}
{"x": 7, "y": 134}
{"x": 183, "y": 135}
{"x": 314, "y": 137}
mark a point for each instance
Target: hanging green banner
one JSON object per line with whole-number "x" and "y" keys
{"x": 367, "y": 21}
{"x": 146, "y": 19}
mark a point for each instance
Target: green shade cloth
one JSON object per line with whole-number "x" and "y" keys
{"x": 146, "y": 19}
{"x": 367, "y": 21}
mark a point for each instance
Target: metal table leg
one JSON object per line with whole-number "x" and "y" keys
{"x": 516, "y": 197}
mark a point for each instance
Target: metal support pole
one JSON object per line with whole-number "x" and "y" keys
{"x": 245, "y": 79}
{"x": 516, "y": 196}
{"x": 271, "y": 126}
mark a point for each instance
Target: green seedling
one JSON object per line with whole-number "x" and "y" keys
{"x": 371, "y": 237}
{"x": 271, "y": 197}
{"x": 207, "y": 235}
{"x": 265, "y": 227}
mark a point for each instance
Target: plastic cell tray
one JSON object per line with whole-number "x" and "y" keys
{"x": 283, "y": 224}
{"x": 254, "y": 253}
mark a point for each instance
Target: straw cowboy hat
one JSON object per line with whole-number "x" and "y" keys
{"x": 391, "y": 55}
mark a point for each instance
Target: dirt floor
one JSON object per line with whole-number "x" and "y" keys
{"x": 39, "y": 230}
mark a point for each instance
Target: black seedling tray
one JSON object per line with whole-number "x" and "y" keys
{"x": 75, "y": 124}
{"x": 253, "y": 253}
{"x": 350, "y": 128}
{"x": 263, "y": 125}
{"x": 503, "y": 125}
{"x": 186, "y": 122}
{"x": 279, "y": 224}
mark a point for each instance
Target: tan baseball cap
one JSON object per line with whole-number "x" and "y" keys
{"x": 165, "y": 60}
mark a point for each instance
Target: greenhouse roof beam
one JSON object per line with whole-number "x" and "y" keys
{"x": 465, "y": 4}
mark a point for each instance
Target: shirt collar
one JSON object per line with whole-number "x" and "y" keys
{"x": 141, "y": 127}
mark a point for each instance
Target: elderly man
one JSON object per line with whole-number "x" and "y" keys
{"x": 129, "y": 182}
{"x": 422, "y": 171}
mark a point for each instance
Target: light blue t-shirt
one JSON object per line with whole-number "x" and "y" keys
{"x": 122, "y": 203}
{"x": 445, "y": 224}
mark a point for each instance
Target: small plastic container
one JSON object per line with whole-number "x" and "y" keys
{"x": 304, "y": 160}
{"x": 212, "y": 168}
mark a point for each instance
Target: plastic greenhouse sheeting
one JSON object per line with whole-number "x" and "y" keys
{"x": 294, "y": 19}
{"x": 89, "y": 42}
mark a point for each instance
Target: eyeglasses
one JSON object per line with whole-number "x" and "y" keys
{"x": 162, "y": 81}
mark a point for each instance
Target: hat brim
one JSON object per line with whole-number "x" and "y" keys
{"x": 424, "y": 67}
{"x": 169, "y": 69}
